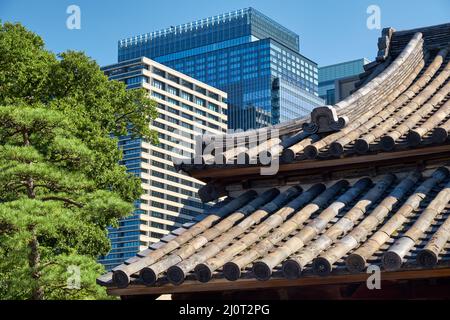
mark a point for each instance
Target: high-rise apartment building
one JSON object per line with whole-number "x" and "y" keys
{"x": 186, "y": 107}
{"x": 244, "y": 53}
{"x": 334, "y": 79}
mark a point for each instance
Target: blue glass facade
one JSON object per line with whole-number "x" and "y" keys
{"x": 243, "y": 53}
{"x": 329, "y": 74}
{"x": 125, "y": 239}
{"x": 294, "y": 103}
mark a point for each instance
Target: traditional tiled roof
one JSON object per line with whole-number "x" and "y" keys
{"x": 403, "y": 104}
{"x": 318, "y": 217}
{"x": 396, "y": 222}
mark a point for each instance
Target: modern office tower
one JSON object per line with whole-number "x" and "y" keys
{"x": 337, "y": 80}
{"x": 244, "y": 53}
{"x": 186, "y": 107}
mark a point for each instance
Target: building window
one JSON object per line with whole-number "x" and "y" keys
{"x": 173, "y": 179}
{"x": 158, "y": 95}
{"x": 157, "y": 225}
{"x": 188, "y": 126}
{"x": 213, "y": 107}
{"x": 172, "y": 198}
{"x": 173, "y": 120}
{"x": 157, "y": 184}
{"x": 158, "y": 154}
{"x": 156, "y": 235}
{"x": 187, "y": 116}
{"x": 185, "y": 83}
{"x": 157, "y": 214}
{"x": 186, "y": 96}
{"x": 213, "y": 117}
{"x": 187, "y": 192}
{"x": 135, "y": 80}
{"x": 157, "y": 164}
{"x": 172, "y": 188}
{"x": 173, "y": 78}
{"x": 172, "y": 208}
{"x": 158, "y": 174}
{"x": 173, "y": 101}
{"x": 187, "y": 107}
{"x": 158, "y": 84}
{"x": 159, "y": 72}
{"x": 157, "y": 204}
{"x": 200, "y": 112}
{"x": 158, "y": 125}
{"x": 200, "y": 101}
{"x": 172, "y": 90}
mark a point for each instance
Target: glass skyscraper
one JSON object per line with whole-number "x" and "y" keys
{"x": 328, "y": 75}
{"x": 244, "y": 53}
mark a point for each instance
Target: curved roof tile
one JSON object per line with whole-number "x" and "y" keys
{"x": 293, "y": 225}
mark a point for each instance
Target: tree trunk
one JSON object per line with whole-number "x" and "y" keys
{"x": 34, "y": 261}
{"x": 34, "y": 256}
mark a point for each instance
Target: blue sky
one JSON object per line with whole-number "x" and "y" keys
{"x": 331, "y": 31}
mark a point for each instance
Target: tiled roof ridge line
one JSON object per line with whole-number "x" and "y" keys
{"x": 342, "y": 112}
{"x": 393, "y": 258}
{"x": 263, "y": 240}
{"x": 123, "y": 272}
{"x": 149, "y": 273}
{"x": 361, "y": 231}
{"x": 232, "y": 269}
{"x": 177, "y": 273}
{"x": 204, "y": 269}
{"x": 341, "y": 107}
{"x": 357, "y": 261}
{"x": 429, "y": 255}
{"x": 390, "y": 120}
{"x": 342, "y": 226}
{"x": 396, "y": 98}
{"x": 378, "y": 80}
{"x": 410, "y": 53}
{"x": 384, "y": 42}
{"x": 422, "y": 29}
{"x": 415, "y": 136}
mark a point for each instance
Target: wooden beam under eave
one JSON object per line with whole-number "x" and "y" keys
{"x": 380, "y": 159}
{"x": 247, "y": 284}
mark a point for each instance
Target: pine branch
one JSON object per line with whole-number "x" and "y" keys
{"x": 50, "y": 263}
{"x": 66, "y": 200}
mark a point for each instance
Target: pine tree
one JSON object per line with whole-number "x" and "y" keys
{"x": 60, "y": 182}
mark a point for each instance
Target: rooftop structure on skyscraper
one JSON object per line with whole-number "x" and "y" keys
{"x": 244, "y": 53}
